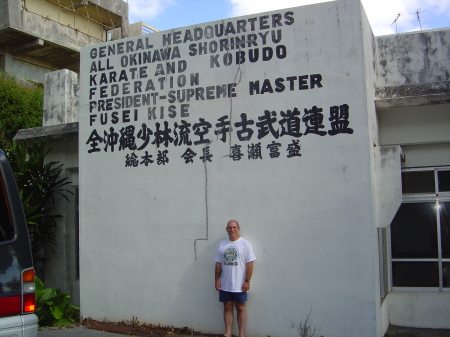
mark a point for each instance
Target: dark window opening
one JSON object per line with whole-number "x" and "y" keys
{"x": 418, "y": 182}
{"x": 6, "y": 225}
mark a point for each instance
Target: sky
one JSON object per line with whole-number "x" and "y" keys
{"x": 169, "y": 14}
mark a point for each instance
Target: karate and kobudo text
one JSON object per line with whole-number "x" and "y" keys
{"x": 158, "y": 81}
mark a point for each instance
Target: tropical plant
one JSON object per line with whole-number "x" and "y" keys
{"x": 54, "y": 307}
{"x": 38, "y": 182}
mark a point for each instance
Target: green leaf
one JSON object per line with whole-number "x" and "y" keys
{"x": 58, "y": 310}
{"x": 54, "y": 307}
{"x": 63, "y": 321}
{"x": 48, "y": 294}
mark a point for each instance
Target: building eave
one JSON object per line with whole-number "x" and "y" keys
{"x": 412, "y": 95}
{"x": 60, "y": 132}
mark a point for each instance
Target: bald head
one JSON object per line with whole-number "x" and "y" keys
{"x": 233, "y": 222}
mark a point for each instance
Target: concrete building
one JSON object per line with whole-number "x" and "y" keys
{"x": 37, "y": 37}
{"x": 346, "y": 199}
{"x": 412, "y": 102}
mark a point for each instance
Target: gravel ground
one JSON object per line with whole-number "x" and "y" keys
{"x": 84, "y": 331}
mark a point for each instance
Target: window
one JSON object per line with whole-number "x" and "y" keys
{"x": 420, "y": 235}
{"x": 6, "y": 225}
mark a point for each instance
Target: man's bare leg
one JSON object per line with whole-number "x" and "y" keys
{"x": 228, "y": 317}
{"x": 241, "y": 317}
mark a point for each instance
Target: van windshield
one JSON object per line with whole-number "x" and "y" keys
{"x": 6, "y": 226}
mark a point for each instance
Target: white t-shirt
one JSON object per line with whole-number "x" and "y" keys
{"x": 234, "y": 256}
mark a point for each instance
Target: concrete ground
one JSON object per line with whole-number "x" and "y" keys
{"x": 83, "y": 331}
{"x": 76, "y": 331}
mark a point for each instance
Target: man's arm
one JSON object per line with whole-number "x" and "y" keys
{"x": 248, "y": 276}
{"x": 217, "y": 273}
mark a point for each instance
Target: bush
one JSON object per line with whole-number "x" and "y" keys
{"x": 54, "y": 307}
{"x": 20, "y": 107}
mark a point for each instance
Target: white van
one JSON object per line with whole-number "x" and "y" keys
{"x": 17, "y": 289}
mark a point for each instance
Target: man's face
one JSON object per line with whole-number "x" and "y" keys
{"x": 233, "y": 231}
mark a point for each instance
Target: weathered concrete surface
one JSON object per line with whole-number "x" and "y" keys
{"x": 118, "y": 7}
{"x": 410, "y": 90}
{"x": 9, "y": 13}
{"x": 39, "y": 37}
{"x": 413, "y": 58}
{"x": 60, "y": 98}
{"x": 49, "y": 133}
{"x": 54, "y": 32}
{"x": 413, "y": 69}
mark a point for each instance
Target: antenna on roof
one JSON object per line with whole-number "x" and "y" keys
{"x": 395, "y": 21}
{"x": 418, "y": 18}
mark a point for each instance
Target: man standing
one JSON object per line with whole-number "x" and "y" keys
{"x": 234, "y": 267}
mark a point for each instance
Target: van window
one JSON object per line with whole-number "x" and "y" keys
{"x": 6, "y": 225}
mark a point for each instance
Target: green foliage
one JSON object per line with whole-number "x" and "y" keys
{"x": 38, "y": 182}
{"x": 20, "y": 107}
{"x": 54, "y": 307}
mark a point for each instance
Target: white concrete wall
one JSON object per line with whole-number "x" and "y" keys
{"x": 426, "y": 155}
{"x": 388, "y": 185}
{"x": 385, "y": 169}
{"x": 421, "y": 310}
{"x": 149, "y": 233}
{"x": 388, "y": 198}
{"x": 384, "y": 317}
{"x": 415, "y": 125}
{"x": 422, "y": 132}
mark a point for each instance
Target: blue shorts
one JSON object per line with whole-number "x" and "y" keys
{"x": 225, "y": 296}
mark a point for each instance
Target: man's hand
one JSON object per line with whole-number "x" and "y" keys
{"x": 246, "y": 286}
{"x": 217, "y": 285}
{"x": 248, "y": 276}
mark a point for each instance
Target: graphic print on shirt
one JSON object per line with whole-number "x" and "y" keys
{"x": 230, "y": 256}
